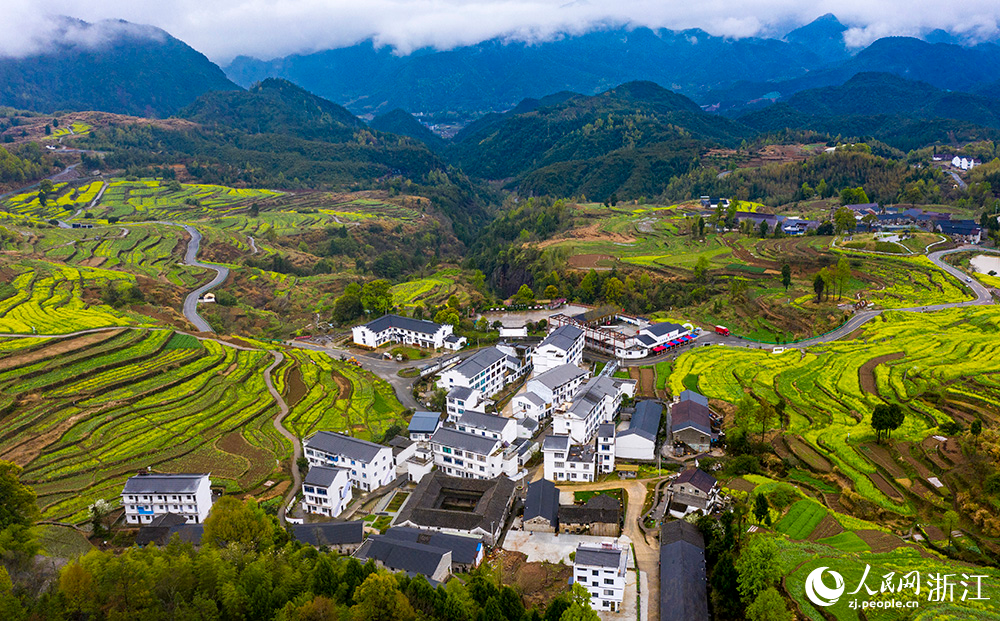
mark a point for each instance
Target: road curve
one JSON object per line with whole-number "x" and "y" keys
{"x": 191, "y": 258}
{"x": 279, "y": 425}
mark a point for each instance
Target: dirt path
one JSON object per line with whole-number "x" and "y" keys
{"x": 296, "y": 445}
{"x": 647, "y": 554}
{"x": 866, "y": 374}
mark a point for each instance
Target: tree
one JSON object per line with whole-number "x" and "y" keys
{"x": 825, "y": 228}
{"x": 453, "y": 302}
{"x": 843, "y": 273}
{"x": 761, "y": 508}
{"x": 950, "y": 520}
{"x": 768, "y": 606}
{"x": 376, "y": 298}
{"x": 885, "y": 418}
{"x": 613, "y": 290}
{"x": 701, "y": 268}
{"x": 98, "y": 512}
{"x": 763, "y": 415}
{"x": 762, "y": 228}
{"x": 843, "y": 220}
{"x": 524, "y": 295}
{"x": 379, "y": 599}
{"x": 579, "y": 608}
{"x": 701, "y": 226}
{"x": 786, "y": 276}
{"x": 869, "y": 220}
{"x": 758, "y": 567}
{"x": 551, "y": 292}
{"x": 975, "y": 429}
{"x": 819, "y": 283}
{"x": 17, "y": 501}
{"x": 233, "y": 521}
{"x": 348, "y": 307}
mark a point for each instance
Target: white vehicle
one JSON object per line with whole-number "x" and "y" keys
{"x": 968, "y": 279}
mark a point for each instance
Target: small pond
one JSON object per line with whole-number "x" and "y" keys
{"x": 986, "y": 263}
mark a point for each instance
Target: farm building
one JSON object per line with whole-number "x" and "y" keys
{"x": 370, "y": 465}
{"x": 466, "y": 552}
{"x": 691, "y": 424}
{"x": 600, "y": 516}
{"x": 692, "y": 490}
{"x": 341, "y": 537}
{"x": 601, "y": 570}
{"x": 399, "y": 329}
{"x": 541, "y": 507}
{"x": 562, "y": 346}
{"x": 639, "y": 440}
{"x": 207, "y": 298}
{"x": 326, "y": 491}
{"x": 148, "y": 496}
{"x": 476, "y": 507}
{"x": 683, "y": 583}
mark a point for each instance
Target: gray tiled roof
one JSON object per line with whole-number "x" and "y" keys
{"x": 530, "y": 396}
{"x": 556, "y": 442}
{"x": 591, "y": 393}
{"x": 163, "y": 484}
{"x": 463, "y": 549}
{"x": 697, "y": 397}
{"x": 557, "y": 376}
{"x": 489, "y": 422}
{"x": 339, "y": 444}
{"x": 400, "y": 555}
{"x": 424, "y": 422}
{"x": 659, "y": 329}
{"x": 606, "y": 430}
{"x": 600, "y": 557}
{"x": 684, "y": 414}
{"x": 477, "y": 362}
{"x": 461, "y": 393}
{"x": 321, "y": 476}
{"x": 465, "y": 441}
{"x": 696, "y": 477}
{"x": 562, "y": 337}
{"x": 683, "y": 584}
{"x": 600, "y": 509}
{"x": 404, "y": 323}
{"x": 529, "y": 423}
{"x": 542, "y": 501}
{"x": 424, "y": 508}
{"x": 646, "y": 420}
{"x": 329, "y": 533}
{"x": 646, "y": 340}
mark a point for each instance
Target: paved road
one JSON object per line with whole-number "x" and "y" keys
{"x": 647, "y": 553}
{"x": 191, "y": 258}
{"x": 279, "y": 425}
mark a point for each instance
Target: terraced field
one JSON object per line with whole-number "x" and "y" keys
{"x": 339, "y": 396}
{"x": 434, "y": 289}
{"x": 47, "y": 298}
{"x": 82, "y": 414}
{"x": 150, "y": 199}
{"x": 62, "y": 203}
{"x": 827, "y": 405}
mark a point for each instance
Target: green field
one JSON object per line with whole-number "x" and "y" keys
{"x": 801, "y": 519}
{"x": 822, "y": 386}
{"x": 434, "y": 289}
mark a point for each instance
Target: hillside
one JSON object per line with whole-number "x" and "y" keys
{"x": 597, "y": 145}
{"x": 137, "y": 70}
{"x": 402, "y": 123}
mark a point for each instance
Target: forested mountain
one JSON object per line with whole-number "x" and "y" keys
{"x": 496, "y": 74}
{"x": 943, "y": 65}
{"x": 275, "y": 107}
{"x": 403, "y": 123}
{"x": 903, "y": 113}
{"x": 824, "y": 36}
{"x": 131, "y": 69}
{"x": 628, "y": 140}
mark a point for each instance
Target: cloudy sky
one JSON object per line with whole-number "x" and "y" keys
{"x": 270, "y": 28}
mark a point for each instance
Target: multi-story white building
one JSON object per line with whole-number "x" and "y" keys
{"x": 423, "y": 425}
{"x": 370, "y": 465}
{"x": 461, "y": 400}
{"x": 489, "y": 426}
{"x": 564, "y": 345}
{"x": 405, "y": 330}
{"x": 545, "y": 391}
{"x": 148, "y": 496}
{"x": 639, "y": 440}
{"x": 565, "y": 461}
{"x": 471, "y": 456}
{"x": 601, "y": 569}
{"x": 595, "y": 403}
{"x": 485, "y": 371}
{"x": 605, "y": 448}
{"x": 326, "y": 491}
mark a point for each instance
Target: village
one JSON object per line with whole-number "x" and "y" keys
{"x": 571, "y": 471}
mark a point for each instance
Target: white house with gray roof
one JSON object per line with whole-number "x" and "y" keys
{"x": 564, "y": 345}
{"x": 461, "y": 400}
{"x": 565, "y": 461}
{"x": 326, "y": 491}
{"x": 639, "y": 440}
{"x": 473, "y": 456}
{"x": 601, "y": 570}
{"x": 404, "y": 330}
{"x": 370, "y": 465}
{"x": 485, "y": 371}
{"x": 148, "y": 496}
{"x": 488, "y": 426}
{"x": 545, "y": 391}
{"x": 595, "y": 403}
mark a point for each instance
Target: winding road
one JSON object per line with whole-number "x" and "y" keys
{"x": 279, "y": 425}
{"x": 191, "y": 258}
